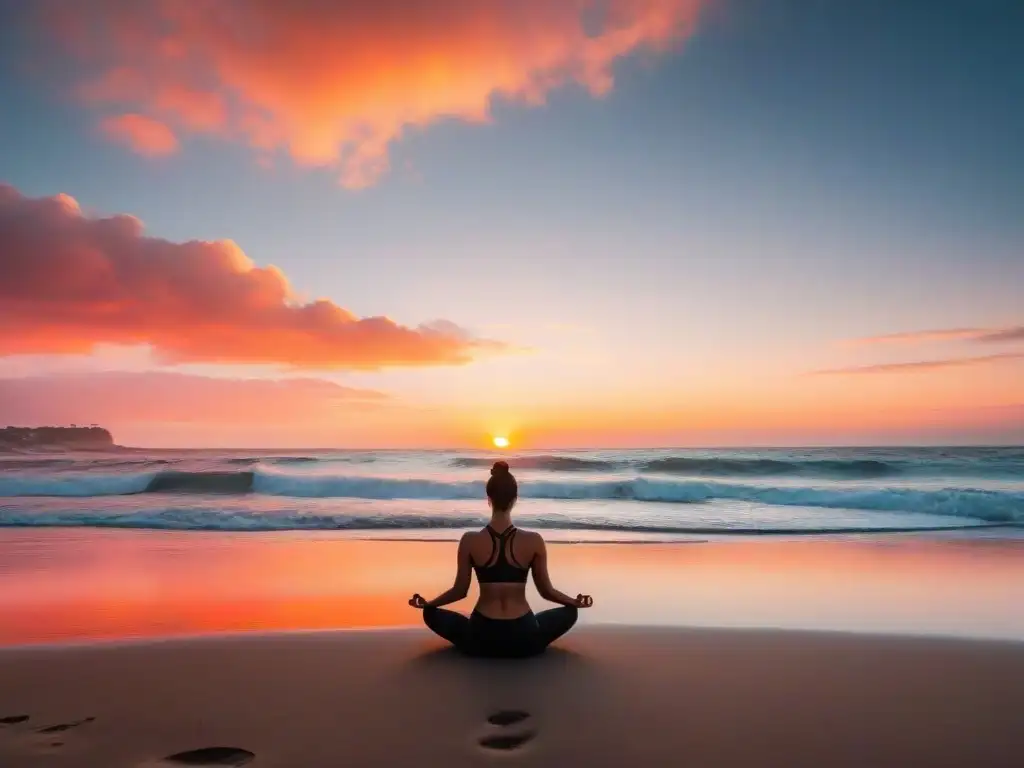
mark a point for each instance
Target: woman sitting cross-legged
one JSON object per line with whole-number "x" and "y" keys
{"x": 502, "y": 623}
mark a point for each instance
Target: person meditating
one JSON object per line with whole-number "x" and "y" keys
{"x": 502, "y": 623}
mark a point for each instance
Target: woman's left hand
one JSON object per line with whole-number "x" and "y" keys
{"x": 417, "y": 601}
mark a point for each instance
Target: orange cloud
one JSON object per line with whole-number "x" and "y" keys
{"x": 334, "y": 84}
{"x": 143, "y": 134}
{"x": 69, "y": 282}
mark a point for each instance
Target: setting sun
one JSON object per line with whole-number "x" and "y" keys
{"x": 501, "y": 442}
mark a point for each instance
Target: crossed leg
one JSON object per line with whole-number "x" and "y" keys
{"x": 554, "y": 623}
{"x": 452, "y": 626}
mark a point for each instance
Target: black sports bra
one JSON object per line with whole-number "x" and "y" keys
{"x": 501, "y": 570}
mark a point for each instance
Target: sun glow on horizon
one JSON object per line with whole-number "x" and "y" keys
{"x": 500, "y": 442}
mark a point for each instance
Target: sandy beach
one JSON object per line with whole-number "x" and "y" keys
{"x": 604, "y": 697}
{"x": 126, "y": 648}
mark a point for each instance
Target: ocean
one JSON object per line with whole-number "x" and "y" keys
{"x": 598, "y": 495}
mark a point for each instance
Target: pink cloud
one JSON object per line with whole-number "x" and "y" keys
{"x": 69, "y": 282}
{"x": 993, "y": 335}
{"x": 143, "y": 134}
{"x": 334, "y": 84}
{"x": 921, "y": 365}
{"x": 1003, "y": 335}
{"x": 117, "y": 398}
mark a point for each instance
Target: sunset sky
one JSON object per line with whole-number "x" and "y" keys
{"x": 577, "y": 223}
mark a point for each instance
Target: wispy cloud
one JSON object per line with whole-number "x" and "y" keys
{"x": 159, "y": 397}
{"x": 1003, "y": 335}
{"x": 920, "y": 365}
{"x": 69, "y": 282}
{"x": 981, "y": 335}
{"x": 334, "y": 84}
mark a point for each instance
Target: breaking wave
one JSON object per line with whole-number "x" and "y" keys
{"x": 836, "y": 468}
{"x": 549, "y": 463}
{"x": 750, "y": 467}
{"x": 981, "y": 504}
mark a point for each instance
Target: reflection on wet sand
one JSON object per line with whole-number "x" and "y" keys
{"x": 68, "y": 585}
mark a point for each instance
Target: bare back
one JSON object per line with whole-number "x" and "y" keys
{"x": 503, "y": 600}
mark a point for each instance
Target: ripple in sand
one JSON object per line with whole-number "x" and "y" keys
{"x": 13, "y": 719}
{"x": 212, "y": 756}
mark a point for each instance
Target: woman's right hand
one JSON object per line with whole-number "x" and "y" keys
{"x": 584, "y": 601}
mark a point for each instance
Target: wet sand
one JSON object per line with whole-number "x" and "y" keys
{"x": 74, "y": 585}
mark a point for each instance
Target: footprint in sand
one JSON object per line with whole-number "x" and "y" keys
{"x": 208, "y": 756}
{"x": 45, "y": 739}
{"x": 52, "y": 737}
{"x": 507, "y": 717}
{"x": 507, "y": 740}
{"x": 61, "y": 727}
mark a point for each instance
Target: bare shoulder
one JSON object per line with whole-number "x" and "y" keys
{"x": 531, "y": 538}
{"x": 473, "y": 537}
{"x": 472, "y": 547}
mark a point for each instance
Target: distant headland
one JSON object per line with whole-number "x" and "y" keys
{"x": 66, "y": 438}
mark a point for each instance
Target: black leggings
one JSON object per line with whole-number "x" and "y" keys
{"x": 479, "y": 635}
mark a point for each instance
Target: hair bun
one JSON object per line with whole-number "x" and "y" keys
{"x": 499, "y": 468}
